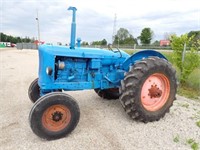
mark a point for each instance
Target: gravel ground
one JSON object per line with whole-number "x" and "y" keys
{"x": 103, "y": 124}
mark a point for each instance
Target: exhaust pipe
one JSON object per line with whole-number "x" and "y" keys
{"x": 73, "y": 28}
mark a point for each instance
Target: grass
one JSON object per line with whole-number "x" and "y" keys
{"x": 198, "y": 123}
{"x": 185, "y": 105}
{"x": 191, "y": 89}
{"x": 197, "y": 117}
{"x": 194, "y": 79}
{"x": 194, "y": 145}
{"x": 176, "y": 139}
{"x": 189, "y": 92}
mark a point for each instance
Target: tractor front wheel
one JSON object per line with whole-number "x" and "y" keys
{"x": 34, "y": 91}
{"x": 54, "y": 116}
{"x": 109, "y": 94}
{"x": 149, "y": 89}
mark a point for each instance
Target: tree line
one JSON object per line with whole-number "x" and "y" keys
{"x": 13, "y": 39}
{"x": 123, "y": 37}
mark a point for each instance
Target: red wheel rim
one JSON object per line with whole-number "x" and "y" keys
{"x": 155, "y": 92}
{"x": 56, "y": 118}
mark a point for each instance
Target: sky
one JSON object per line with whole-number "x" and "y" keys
{"x": 95, "y": 19}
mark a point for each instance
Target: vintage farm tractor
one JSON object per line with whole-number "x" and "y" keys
{"x": 145, "y": 84}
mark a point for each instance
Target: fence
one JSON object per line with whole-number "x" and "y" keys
{"x": 26, "y": 46}
{"x": 131, "y": 47}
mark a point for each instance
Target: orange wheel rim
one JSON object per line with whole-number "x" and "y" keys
{"x": 56, "y": 118}
{"x": 155, "y": 92}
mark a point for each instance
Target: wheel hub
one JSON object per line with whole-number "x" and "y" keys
{"x": 154, "y": 92}
{"x": 57, "y": 116}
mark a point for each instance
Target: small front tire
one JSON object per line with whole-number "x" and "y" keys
{"x": 34, "y": 91}
{"x": 54, "y": 116}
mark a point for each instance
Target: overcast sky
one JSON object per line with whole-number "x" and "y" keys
{"x": 95, "y": 19}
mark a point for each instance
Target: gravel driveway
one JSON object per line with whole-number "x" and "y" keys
{"x": 103, "y": 124}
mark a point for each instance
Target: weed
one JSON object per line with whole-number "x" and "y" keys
{"x": 176, "y": 139}
{"x": 190, "y": 141}
{"x": 195, "y": 116}
{"x": 185, "y": 105}
{"x": 194, "y": 145}
{"x": 198, "y": 123}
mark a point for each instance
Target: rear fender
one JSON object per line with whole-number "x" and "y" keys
{"x": 139, "y": 56}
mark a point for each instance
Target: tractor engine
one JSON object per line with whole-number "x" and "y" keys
{"x": 80, "y": 68}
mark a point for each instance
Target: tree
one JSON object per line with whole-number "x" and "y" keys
{"x": 2, "y": 37}
{"x": 12, "y": 39}
{"x": 191, "y": 60}
{"x": 84, "y": 43}
{"x": 102, "y": 42}
{"x": 156, "y": 43}
{"x": 123, "y": 37}
{"x": 122, "y": 34}
{"x": 195, "y": 35}
{"x": 146, "y": 36}
{"x": 168, "y": 35}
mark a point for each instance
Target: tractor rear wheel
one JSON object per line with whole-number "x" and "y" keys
{"x": 109, "y": 94}
{"x": 54, "y": 116}
{"x": 149, "y": 89}
{"x": 34, "y": 91}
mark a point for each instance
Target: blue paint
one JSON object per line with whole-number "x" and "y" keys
{"x": 84, "y": 68}
{"x": 139, "y": 56}
{"x": 73, "y": 27}
{"x": 78, "y": 42}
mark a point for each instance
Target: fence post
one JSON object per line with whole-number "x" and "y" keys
{"x": 183, "y": 54}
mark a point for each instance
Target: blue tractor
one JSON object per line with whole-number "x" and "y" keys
{"x": 145, "y": 84}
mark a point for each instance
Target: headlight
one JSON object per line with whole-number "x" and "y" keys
{"x": 49, "y": 70}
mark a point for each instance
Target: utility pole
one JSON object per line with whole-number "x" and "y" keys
{"x": 114, "y": 28}
{"x": 38, "y": 28}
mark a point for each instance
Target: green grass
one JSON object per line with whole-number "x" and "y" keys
{"x": 191, "y": 89}
{"x": 168, "y": 55}
{"x": 176, "y": 139}
{"x": 198, "y": 123}
{"x": 194, "y": 145}
{"x": 194, "y": 79}
{"x": 189, "y": 92}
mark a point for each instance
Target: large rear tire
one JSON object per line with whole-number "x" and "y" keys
{"x": 149, "y": 89}
{"x": 54, "y": 116}
{"x": 109, "y": 94}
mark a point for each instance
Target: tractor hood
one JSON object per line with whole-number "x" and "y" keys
{"x": 81, "y": 52}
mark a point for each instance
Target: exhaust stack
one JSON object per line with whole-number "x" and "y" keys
{"x": 73, "y": 28}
